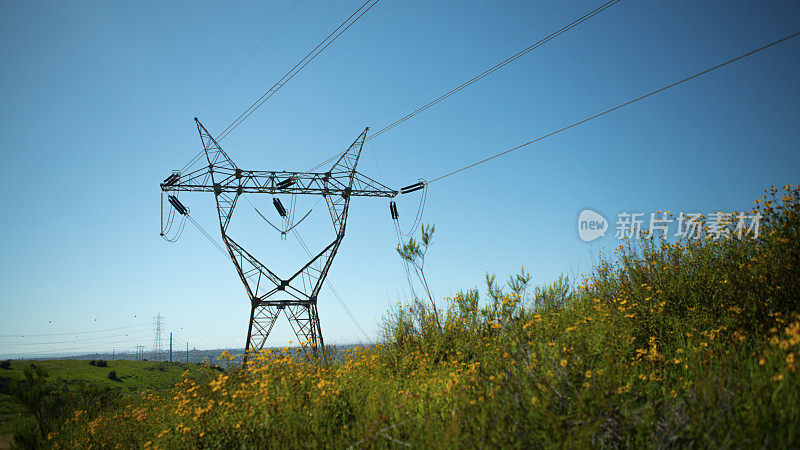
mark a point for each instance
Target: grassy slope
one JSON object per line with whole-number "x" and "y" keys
{"x": 134, "y": 377}
{"x": 692, "y": 344}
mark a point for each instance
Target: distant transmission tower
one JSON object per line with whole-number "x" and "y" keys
{"x": 158, "y": 345}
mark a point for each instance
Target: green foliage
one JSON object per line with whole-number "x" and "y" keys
{"x": 5, "y": 364}
{"x": 113, "y": 376}
{"x": 519, "y": 283}
{"x": 552, "y": 296}
{"x": 689, "y": 344}
{"x": 26, "y": 434}
{"x": 413, "y": 254}
{"x": 50, "y": 403}
{"x": 75, "y": 386}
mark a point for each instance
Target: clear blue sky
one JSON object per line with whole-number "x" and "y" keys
{"x": 97, "y": 101}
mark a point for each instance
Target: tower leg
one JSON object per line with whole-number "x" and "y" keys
{"x": 247, "y": 347}
{"x": 303, "y": 318}
{"x": 262, "y": 319}
{"x": 305, "y": 323}
{"x": 315, "y": 316}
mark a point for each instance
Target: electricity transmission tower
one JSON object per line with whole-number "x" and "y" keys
{"x": 270, "y": 294}
{"x": 158, "y": 344}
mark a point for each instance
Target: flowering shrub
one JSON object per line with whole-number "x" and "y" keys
{"x": 689, "y": 343}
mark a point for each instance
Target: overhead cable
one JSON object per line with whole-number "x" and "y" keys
{"x": 72, "y": 333}
{"x": 498, "y": 66}
{"x": 752, "y": 52}
{"x": 333, "y": 290}
{"x": 299, "y": 66}
{"x": 250, "y": 55}
{"x": 483, "y": 74}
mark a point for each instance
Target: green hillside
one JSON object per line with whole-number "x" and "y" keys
{"x": 132, "y": 377}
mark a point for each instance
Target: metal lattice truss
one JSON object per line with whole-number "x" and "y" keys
{"x": 270, "y": 294}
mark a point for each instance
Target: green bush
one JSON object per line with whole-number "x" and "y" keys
{"x": 27, "y": 435}
{"x": 5, "y": 364}
{"x": 668, "y": 344}
{"x": 50, "y": 403}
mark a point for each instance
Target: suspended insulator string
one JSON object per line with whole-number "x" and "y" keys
{"x": 299, "y": 66}
{"x": 752, "y": 52}
{"x": 252, "y": 52}
{"x": 335, "y": 292}
{"x": 483, "y": 74}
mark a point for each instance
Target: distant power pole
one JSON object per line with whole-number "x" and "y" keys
{"x": 170, "y": 346}
{"x": 158, "y": 345}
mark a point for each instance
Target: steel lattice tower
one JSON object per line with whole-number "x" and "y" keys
{"x": 158, "y": 344}
{"x": 270, "y": 294}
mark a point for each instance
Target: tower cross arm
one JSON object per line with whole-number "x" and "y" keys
{"x": 236, "y": 181}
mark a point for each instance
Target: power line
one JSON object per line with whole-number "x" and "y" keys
{"x": 74, "y": 332}
{"x": 299, "y": 66}
{"x": 73, "y": 349}
{"x": 435, "y": 86}
{"x": 252, "y": 52}
{"x": 99, "y": 338}
{"x": 498, "y": 66}
{"x": 619, "y": 106}
{"x": 335, "y": 292}
{"x": 483, "y": 74}
{"x": 210, "y": 239}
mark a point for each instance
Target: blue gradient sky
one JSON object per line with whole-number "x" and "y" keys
{"x": 97, "y": 101}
